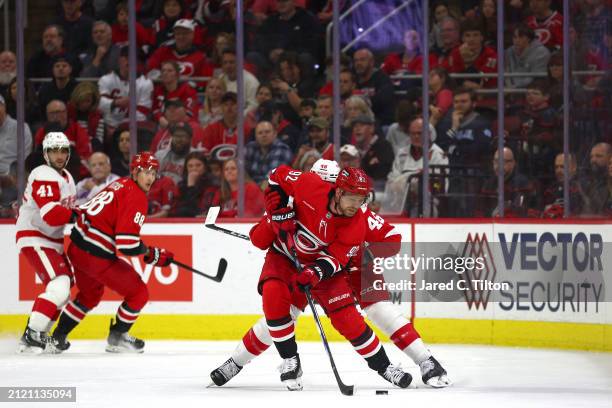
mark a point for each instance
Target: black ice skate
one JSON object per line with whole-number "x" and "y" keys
{"x": 123, "y": 342}
{"x": 56, "y": 344}
{"x": 32, "y": 342}
{"x": 225, "y": 372}
{"x": 396, "y": 376}
{"x": 291, "y": 373}
{"x": 433, "y": 374}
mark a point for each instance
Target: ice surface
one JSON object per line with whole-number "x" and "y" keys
{"x": 174, "y": 374}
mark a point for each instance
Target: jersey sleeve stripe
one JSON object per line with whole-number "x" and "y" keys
{"x": 128, "y": 246}
{"x": 92, "y": 241}
{"x": 126, "y": 237}
{"x": 47, "y": 207}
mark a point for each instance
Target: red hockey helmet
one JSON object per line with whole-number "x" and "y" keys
{"x": 145, "y": 161}
{"x": 354, "y": 181}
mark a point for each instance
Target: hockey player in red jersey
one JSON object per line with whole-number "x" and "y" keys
{"x": 108, "y": 223}
{"x": 384, "y": 241}
{"x": 47, "y": 207}
{"x": 330, "y": 228}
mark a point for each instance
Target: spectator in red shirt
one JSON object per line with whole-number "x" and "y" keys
{"x": 120, "y": 29}
{"x": 174, "y": 113}
{"x": 221, "y": 137}
{"x": 473, "y": 57}
{"x": 161, "y": 197}
{"x": 547, "y": 24}
{"x": 171, "y": 88}
{"x": 193, "y": 62}
{"x": 57, "y": 116}
{"x": 197, "y": 188}
{"x": 440, "y": 85}
{"x": 411, "y": 60}
{"x": 227, "y": 196}
{"x": 83, "y": 109}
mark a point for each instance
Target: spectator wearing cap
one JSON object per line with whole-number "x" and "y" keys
{"x": 100, "y": 169}
{"x": 376, "y": 151}
{"x": 349, "y": 156}
{"x": 163, "y": 27}
{"x": 77, "y": 27}
{"x": 8, "y": 139}
{"x": 144, "y": 38}
{"x": 57, "y": 121}
{"x": 114, "y": 94}
{"x": 193, "y": 62}
{"x": 223, "y": 134}
{"x": 407, "y": 163}
{"x": 229, "y": 76}
{"x": 103, "y": 56}
{"x": 291, "y": 28}
{"x": 172, "y": 158}
{"x": 175, "y": 113}
{"x": 8, "y": 69}
{"x": 62, "y": 84}
{"x": 318, "y": 140}
{"x": 41, "y": 63}
{"x": 265, "y": 153}
{"x": 170, "y": 88}
{"x": 286, "y": 132}
{"x": 293, "y": 85}
{"x": 375, "y": 84}
{"x": 472, "y": 56}
{"x": 527, "y": 55}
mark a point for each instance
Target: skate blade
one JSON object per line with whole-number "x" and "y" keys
{"x": 294, "y": 385}
{"x": 439, "y": 382}
{"x": 122, "y": 350}
{"x": 28, "y": 350}
{"x": 212, "y": 385}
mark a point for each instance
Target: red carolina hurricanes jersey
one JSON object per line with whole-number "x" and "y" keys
{"x": 184, "y": 92}
{"x": 486, "y": 63}
{"x": 112, "y": 220}
{"x": 193, "y": 64}
{"x": 321, "y": 237}
{"x": 549, "y": 31}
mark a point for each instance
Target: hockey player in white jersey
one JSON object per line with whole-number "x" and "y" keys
{"x": 47, "y": 207}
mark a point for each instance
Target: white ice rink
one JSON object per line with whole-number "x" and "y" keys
{"x": 175, "y": 374}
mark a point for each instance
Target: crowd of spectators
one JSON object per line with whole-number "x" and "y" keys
{"x": 187, "y": 111}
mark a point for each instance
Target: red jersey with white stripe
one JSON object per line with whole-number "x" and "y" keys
{"x": 321, "y": 237}
{"x": 112, "y": 220}
{"x": 192, "y": 63}
{"x": 47, "y": 207}
{"x": 549, "y": 31}
{"x": 184, "y": 92}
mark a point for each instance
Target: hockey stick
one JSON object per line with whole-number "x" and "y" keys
{"x": 209, "y": 222}
{"x": 217, "y": 278}
{"x": 344, "y": 389}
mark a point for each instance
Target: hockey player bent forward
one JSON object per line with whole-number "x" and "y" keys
{"x": 109, "y": 222}
{"x": 324, "y": 227}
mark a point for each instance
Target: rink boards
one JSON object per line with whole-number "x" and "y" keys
{"x": 185, "y": 306}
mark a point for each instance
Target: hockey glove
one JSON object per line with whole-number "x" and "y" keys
{"x": 283, "y": 223}
{"x": 158, "y": 257}
{"x": 275, "y": 198}
{"x": 309, "y": 277}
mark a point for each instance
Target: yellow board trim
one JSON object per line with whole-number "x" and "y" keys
{"x": 578, "y": 336}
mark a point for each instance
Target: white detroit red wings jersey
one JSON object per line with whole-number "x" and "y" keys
{"x": 321, "y": 237}
{"x": 46, "y": 209}
{"x": 111, "y": 86}
{"x": 112, "y": 220}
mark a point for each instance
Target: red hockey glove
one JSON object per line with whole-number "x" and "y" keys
{"x": 309, "y": 277}
{"x": 275, "y": 199}
{"x": 158, "y": 257}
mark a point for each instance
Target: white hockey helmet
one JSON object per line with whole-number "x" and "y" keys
{"x": 326, "y": 169}
{"x": 55, "y": 140}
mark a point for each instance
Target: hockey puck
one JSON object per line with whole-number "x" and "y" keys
{"x": 382, "y": 392}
